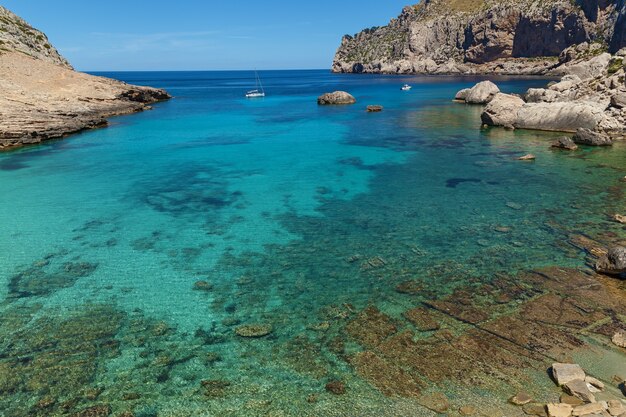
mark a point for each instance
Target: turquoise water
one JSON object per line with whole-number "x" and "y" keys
{"x": 291, "y": 215}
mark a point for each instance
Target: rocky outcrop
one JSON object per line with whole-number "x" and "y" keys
{"x": 16, "y": 35}
{"x": 335, "y": 98}
{"x": 42, "y": 97}
{"x": 481, "y": 93}
{"x": 502, "y": 110}
{"x": 566, "y": 143}
{"x": 591, "y": 138}
{"x": 614, "y": 262}
{"x": 482, "y": 36}
{"x": 588, "y": 103}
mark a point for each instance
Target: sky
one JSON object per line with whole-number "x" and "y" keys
{"x": 142, "y": 35}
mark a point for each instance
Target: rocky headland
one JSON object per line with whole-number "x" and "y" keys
{"x": 484, "y": 37}
{"x": 44, "y": 98}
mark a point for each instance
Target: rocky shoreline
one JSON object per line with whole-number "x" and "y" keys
{"x": 589, "y": 101}
{"x": 44, "y": 98}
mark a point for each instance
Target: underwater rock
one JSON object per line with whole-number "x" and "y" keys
{"x": 527, "y": 157}
{"x": 254, "y": 330}
{"x": 373, "y": 263}
{"x": 336, "y": 387}
{"x": 436, "y": 402}
{"x": 337, "y": 97}
{"x": 566, "y": 143}
{"x": 95, "y": 411}
{"x": 567, "y": 372}
{"x": 619, "y": 339}
{"x": 613, "y": 263}
{"x": 409, "y": 287}
{"x": 619, "y": 218}
{"x": 215, "y": 388}
{"x": 535, "y": 409}
{"x": 387, "y": 377}
{"x": 35, "y": 281}
{"x": 422, "y": 319}
{"x": 371, "y": 327}
{"x": 202, "y": 286}
{"x": 521, "y": 398}
{"x": 79, "y": 269}
{"x": 467, "y": 410}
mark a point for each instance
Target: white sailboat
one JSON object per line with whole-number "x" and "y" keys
{"x": 406, "y": 87}
{"x": 258, "y": 91}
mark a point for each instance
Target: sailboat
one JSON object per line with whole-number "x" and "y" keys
{"x": 258, "y": 91}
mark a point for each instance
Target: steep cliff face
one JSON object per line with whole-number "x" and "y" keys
{"x": 468, "y": 36}
{"x": 18, "y": 36}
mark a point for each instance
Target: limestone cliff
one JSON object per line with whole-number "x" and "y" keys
{"x": 483, "y": 36}
{"x": 18, "y": 36}
{"x": 42, "y": 97}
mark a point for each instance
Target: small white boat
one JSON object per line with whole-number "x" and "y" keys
{"x": 406, "y": 87}
{"x": 258, "y": 91}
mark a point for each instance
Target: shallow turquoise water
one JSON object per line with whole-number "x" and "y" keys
{"x": 287, "y": 210}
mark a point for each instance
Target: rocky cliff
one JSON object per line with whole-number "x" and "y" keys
{"x": 18, "y": 36}
{"x": 483, "y": 36}
{"x": 42, "y": 97}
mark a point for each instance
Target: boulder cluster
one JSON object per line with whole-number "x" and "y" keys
{"x": 589, "y": 101}
{"x": 581, "y": 396}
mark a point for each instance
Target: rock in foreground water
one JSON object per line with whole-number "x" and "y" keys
{"x": 589, "y": 137}
{"x": 566, "y": 143}
{"x": 481, "y": 93}
{"x": 567, "y": 372}
{"x": 337, "y": 97}
{"x": 254, "y": 330}
{"x": 613, "y": 263}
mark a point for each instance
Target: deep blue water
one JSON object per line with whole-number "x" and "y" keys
{"x": 285, "y": 209}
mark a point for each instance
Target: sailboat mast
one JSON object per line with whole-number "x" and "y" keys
{"x": 258, "y": 82}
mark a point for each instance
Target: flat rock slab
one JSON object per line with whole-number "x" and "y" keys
{"x": 566, "y": 372}
{"x": 254, "y": 330}
{"x": 579, "y": 388}
{"x": 559, "y": 410}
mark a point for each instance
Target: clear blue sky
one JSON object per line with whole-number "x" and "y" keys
{"x": 198, "y": 35}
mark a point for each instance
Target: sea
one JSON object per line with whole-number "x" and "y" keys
{"x": 203, "y": 258}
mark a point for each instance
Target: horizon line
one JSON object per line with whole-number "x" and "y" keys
{"x": 210, "y": 70}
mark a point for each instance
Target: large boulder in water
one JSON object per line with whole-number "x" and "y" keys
{"x": 337, "y": 97}
{"x": 591, "y": 138}
{"x": 482, "y": 93}
{"x": 613, "y": 263}
{"x": 462, "y": 94}
{"x": 559, "y": 117}
{"x": 502, "y": 110}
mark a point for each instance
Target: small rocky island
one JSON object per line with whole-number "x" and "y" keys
{"x": 43, "y": 97}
